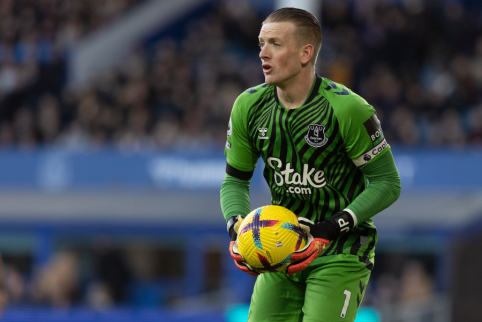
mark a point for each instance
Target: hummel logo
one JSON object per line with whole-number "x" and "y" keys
{"x": 263, "y": 131}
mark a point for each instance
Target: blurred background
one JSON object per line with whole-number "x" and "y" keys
{"x": 113, "y": 118}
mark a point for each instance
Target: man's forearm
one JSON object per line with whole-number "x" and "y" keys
{"x": 234, "y": 197}
{"x": 383, "y": 189}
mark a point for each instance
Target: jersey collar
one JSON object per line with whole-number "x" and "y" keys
{"x": 311, "y": 96}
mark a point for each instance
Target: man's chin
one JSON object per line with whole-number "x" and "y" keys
{"x": 270, "y": 80}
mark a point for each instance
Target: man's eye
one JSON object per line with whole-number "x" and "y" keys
{"x": 276, "y": 44}
{"x": 260, "y": 45}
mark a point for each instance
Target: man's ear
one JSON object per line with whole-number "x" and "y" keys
{"x": 306, "y": 53}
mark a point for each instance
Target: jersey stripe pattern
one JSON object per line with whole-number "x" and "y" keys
{"x": 306, "y": 163}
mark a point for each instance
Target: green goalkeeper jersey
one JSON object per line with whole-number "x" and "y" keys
{"x": 312, "y": 154}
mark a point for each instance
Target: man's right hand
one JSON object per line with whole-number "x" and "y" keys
{"x": 239, "y": 261}
{"x": 233, "y": 227}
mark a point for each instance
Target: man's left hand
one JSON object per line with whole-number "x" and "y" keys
{"x": 319, "y": 236}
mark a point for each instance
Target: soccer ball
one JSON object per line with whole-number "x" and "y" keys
{"x": 268, "y": 236}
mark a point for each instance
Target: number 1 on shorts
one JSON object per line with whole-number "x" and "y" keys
{"x": 347, "y": 302}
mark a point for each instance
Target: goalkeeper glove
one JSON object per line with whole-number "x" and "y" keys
{"x": 239, "y": 261}
{"x": 319, "y": 236}
{"x": 233, "y": 227}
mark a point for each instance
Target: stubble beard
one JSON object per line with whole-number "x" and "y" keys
{"x": 279, "y": 81}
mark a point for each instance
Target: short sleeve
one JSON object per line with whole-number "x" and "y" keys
{"x": 361, "y": 130}
{"x": 240, "y": 152}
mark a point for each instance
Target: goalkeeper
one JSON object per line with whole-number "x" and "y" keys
{"x": 320, "y": 143}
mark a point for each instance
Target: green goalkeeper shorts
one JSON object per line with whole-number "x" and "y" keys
{"x": 329, "y": 290}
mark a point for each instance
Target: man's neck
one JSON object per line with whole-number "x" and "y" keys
{"x": 294, "y": 93}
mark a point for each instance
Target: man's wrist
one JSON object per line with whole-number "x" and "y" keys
{"x": 335, "y": 226}
{"x": 230, "y": 226}
{"x": 355, "y": 219}
{"x": 342, "y": 221}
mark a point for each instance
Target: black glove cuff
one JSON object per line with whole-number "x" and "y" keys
{"x": 343, "y": 222}
{"x": 335, "y": 226}
{"x": 231, "y": 222}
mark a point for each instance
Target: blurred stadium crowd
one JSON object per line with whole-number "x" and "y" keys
{"x": 63, "y": 281}
{"x": 35, "y": 37}
{"x": 107, "y": 277}
{"x": 418, "y": 64}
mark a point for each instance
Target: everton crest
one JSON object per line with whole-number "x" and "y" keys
{"x": 316, "y": 135}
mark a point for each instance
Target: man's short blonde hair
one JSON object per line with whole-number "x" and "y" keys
{"x": 308, "y": 28}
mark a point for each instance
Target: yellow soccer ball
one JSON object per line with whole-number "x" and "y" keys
{"x": 268, "y": 236}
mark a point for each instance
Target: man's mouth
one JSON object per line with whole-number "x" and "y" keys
{"x": 267, "y": 68}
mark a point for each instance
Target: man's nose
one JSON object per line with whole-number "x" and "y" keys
{"x": 263, "y": 54}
